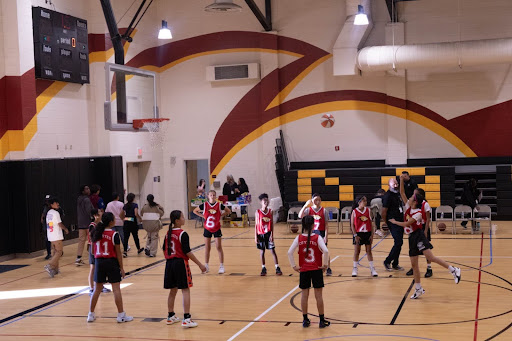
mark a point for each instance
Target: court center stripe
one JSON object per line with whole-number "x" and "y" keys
{"x": 401, "y": 304}
{"x": 478, "y": 289}
{"x": 268, "y": 310}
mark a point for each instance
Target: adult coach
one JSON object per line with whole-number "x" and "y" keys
{"x": 230, "y": 188}
{"x": 392, "y": 209}
{"x": 409, "y": 184}
{"x": 83, "y": 212}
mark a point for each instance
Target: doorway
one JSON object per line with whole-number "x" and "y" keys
{"x": 196, "y": 170}
{"x": 137, "y": 182}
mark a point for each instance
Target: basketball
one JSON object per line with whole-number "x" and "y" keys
{"x": 441, "y": 226}
{"x": 327, "y": 120}
{"x": 294, "y": 228}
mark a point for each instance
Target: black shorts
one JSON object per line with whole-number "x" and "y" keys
{"x": 320, "y": 233}
{"x": 264, "y": 241}
{"x": 177, "y": 274}
{"x": 364, "y": 238}
{"x": 315, "y": 276}
{"x": 216, "y": 234}
{"x": 106, "y": 270}
{"x": 418, "y": 242}
{"x": 429, "y": 237}
{"x": 91, "y": 256}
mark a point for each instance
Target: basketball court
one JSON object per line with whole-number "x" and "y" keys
{"x": 242, "y": 305}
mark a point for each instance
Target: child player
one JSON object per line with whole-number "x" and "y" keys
{"x": 418, "y": 242}
{"x": 264, "y": 233}
{"x": 363, "y": 231}
{"x": 313, "y": 208}
{"x": 177, "y": 271}
{"x": 311, "y": 246}
{"x": 54, "y": 228}
{"x": 212, "y": 213}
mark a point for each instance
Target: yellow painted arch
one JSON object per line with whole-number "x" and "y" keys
{"x": 345, "y": 105}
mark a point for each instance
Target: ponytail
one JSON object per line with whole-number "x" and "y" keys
{"x": 97, "y": 232}
{"x": 151, "y": 200}
{"x": 175, "y": 215}
{"x": 307, "y": 225}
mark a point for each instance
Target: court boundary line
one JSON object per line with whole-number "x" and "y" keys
{"x": 478, "y": 288}
{"x": 400, "y": 306}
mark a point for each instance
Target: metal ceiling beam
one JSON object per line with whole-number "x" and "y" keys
{"x": 265, "y": 20}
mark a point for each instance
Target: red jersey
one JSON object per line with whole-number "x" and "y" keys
{"x": 175, "y": 250}
{"x": 212, "y": 215}
{"x": 319, "y": 218}
{"x": 425, "y": 207}
{"x": 313, "y": 260}
{"x": 417, "y": 214}
{"x": 105, "y": 247}
{"x": 263, "y": 221}
{"x": 362, "y": 220}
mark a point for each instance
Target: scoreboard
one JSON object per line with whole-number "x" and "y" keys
{"x": 61, "y": 49}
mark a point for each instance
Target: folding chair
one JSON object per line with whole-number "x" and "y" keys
{"x": 293, "y": 217}
{"x": 444, "y": 213}
{"x": 346, "y": 212}
{"x": 483, "y": 213}
{"x": 333, "y": 217}
{"x": 462, "y": 213}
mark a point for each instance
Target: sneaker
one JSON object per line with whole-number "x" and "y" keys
{"x": 456, "y": 275}
{"x": 173, "y": 319}
{"x": 374, "y": 273}
{"x": 139, "y": 251}
{"x": 124, "y": 318}
{"x": 409, "y": 273}
{"x": 398, "y": 268}
{"x": 91, "y": 291}
{"x": 48, "y": 257}
{"x": 417, "y": 293}
{"x": 128, "y": 248}
{"x": 429, "y": 273}
{"x": 79, "y": 262}
{"x": 125, "y": 254}
{"x": 221, "y": 270}
{"x": 263, "y": 272}
{"x": 207, "y": 268}
{"x": 146, "y": 251}
{"x": 306, "y": 323}
{"x": 188, "y": 323}
{"x": 50, "y": 271}
{"x": 105, "y": 290}
{"x": 354, "y": 272}
{"x": 379, "y": 233}
{"x": 323, "y": 324}
{"x": 328, "y": 272}
{"x": 278, "y": 271}
{"x": 388, "y": 266}
{"x": 91, "y": 317}
{"x": 152, "y": 256}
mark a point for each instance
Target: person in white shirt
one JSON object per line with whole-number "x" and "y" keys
{"x": 54, "y": 229}
{"x": 116, "y": 208}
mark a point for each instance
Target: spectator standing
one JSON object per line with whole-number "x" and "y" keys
{"x": 201, "y": 189}
{"x": 471, "y": 197}
{"x": 151, "y": 215}
{"x": 131, "y": 225}
{"x": 116, "y": 208}
{"x": 97, "y": 201}
{"x": 83, "y": 212}
{"x": 409, "y": 184}
{"x": 375, "y": 209}
{"x": 230, "y": 188}
{"x": 392, "y": 209}
{"x": 242, "y": 187}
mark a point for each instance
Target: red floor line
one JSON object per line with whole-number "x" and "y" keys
{"x": 91, "y": 336}
{"x": 478, "y": 290}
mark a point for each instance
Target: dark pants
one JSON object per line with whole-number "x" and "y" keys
{"x": 377, "y": 221}
{"x": 131, "y": 227}
{"x": 47, "y": 243}
{"x": 120, "y": 230}
{"x": 398, "y": 236}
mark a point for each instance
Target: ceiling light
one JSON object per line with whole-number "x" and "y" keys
{"x": 223, "y": 6}
{"x": 361, "y": 17}
{"x": 165, "y": 32}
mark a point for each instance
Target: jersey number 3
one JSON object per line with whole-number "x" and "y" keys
{"x": 310, "y": 258}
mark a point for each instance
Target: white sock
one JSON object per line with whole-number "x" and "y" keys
{"x": 221, "y": 265}
{"x": 355, "y": 264}
{"x": 206, "y": 265}
{"x": 263, "y": 266}
{"x": 429, "y": 266}
{"x": 418, "y": 286}
{"x": 451, "y": 268}
{"x": 277, "y": 265}
{"x": 371, "y": 264}
{"x": 121, "y": 314}
{"x": 91, "y": 313}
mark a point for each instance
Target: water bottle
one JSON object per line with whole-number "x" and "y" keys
{"x": 442, "y": 215}
{"x": 330, "y": 215}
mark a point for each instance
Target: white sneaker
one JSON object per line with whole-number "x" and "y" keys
{"x": 124, "y": 318}
{"x": 188, "y": 323}
{"x": 91, "y": 317}
{"x": 173, "y": 319}
{"x": 379, "y": 233}
{"x": 354, "y": 272}
{"x": 221, "y": 271}
{"x": 456, "y": 275}
{"x": 207, "y": 268}
{"x": 374, "y": 273}
{"x": 418, "y": 293}
{"x": 128, "y": 248}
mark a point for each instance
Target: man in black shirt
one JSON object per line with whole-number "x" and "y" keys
{"x": 409, "y": 184}
{"x": 392, "y": 209}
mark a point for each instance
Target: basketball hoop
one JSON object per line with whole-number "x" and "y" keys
{"x": 156, "y": 131}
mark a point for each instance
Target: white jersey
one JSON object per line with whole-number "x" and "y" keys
{"x": 53, "y": 230}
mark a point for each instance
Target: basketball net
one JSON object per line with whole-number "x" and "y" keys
{"x": 157, "y": 129}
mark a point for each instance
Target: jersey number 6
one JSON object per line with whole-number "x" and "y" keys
{"x": 210, "y": 222}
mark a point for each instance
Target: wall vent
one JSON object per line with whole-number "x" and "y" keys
{"x": 232, "y": 72}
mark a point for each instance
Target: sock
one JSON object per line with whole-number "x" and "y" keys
{"x": 121, "y": 314}
{"x": 418, "y": 286}
{"x": 221, "y": 264}
{"x": 171, "y": 314}
{"x": 186, "y": 316}
{"x": 277, "y": 265}
{"x": 451, "y": 268}
{"x": 371, "y": 264}
{"x": 322, "y": 317}
{"x": 355, "y": 264}
{"x": 429, "y": 266}
{"x": 263, "y": 266}
{"x": 78, "y": 257}
{"x": 305, "y": 316}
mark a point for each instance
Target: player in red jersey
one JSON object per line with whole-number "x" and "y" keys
{"x": 177, "y": 271}
{"x": 212, "y": 212}
{"x": 363, "y": 231}
{"x": 313, "y": 207}
{"x": 311, "y": 246}
{"x": 109, "y": 265}
{"x": 418, "y": 242}
{"x": 264, "y": 233}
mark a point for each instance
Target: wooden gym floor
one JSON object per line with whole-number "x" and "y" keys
{"x": 242, "y": 305}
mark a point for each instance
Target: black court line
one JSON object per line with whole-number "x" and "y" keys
{"x": 401, "y": 304}
{"x": 500, "y": 332}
